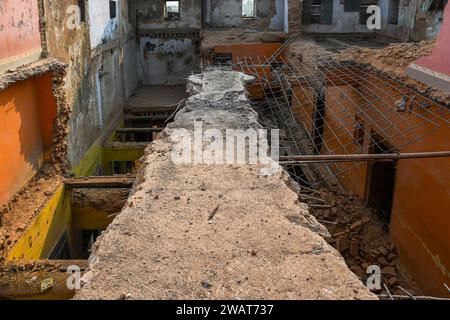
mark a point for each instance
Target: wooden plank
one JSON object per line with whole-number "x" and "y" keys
{"x": 128, "y": 130}
{"x": 101, "y": 182}
{"x": 150, "y": 110}
{"x": 41, "y": 280}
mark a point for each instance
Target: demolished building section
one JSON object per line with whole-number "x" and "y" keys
{"x": 94, "y": 92}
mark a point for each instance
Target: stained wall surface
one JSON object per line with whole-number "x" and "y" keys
{"x": 19, "y": 33}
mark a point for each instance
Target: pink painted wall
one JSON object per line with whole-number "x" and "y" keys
{"x": 19, "y": 28}
{"x": 439, "y": 60}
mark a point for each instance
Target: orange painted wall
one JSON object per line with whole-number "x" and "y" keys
{"x": 257, "y": 52}
{"x": 27, "y": 112}
{"x": 338, "y": 138}
{"x": 420, "y": 220}
{"x": 20, "y": 28}
{"x": 303, "y": 105}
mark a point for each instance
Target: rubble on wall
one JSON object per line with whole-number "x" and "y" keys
{"x": 393, "y": 60}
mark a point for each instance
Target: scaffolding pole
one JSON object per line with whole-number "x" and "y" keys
{"x": 292, "y": 160}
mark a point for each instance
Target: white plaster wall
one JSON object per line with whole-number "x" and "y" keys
{"x": 405, "y": 24}
{"x": 102, "y": 28}
{"x": 414, "y": 22}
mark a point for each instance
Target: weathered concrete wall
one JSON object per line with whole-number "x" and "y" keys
{"x": 165, "y": 61}
{"x": 406, "y": 16}
{"x": 130, "y": 67}
{"x": 269, "y": 14}
{"x": 342, "y": 22}
{"x": 20, "y": 38}
{"x": 102, "y": 27}
{"x": 428, "y": 22}
{"x": 150, "y": 15}
{"x": 435, "y": 69}
{"x": 415, "y": 21}
{"x": 166, "y": 52}
{"x": 101, "y": 56}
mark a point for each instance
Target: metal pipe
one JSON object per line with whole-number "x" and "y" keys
{"x": 362, "y": 157}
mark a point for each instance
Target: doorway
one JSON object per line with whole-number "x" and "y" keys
{"x": 381, "y": 180}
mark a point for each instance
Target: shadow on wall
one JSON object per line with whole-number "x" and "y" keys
{"x": 27, "y": 113}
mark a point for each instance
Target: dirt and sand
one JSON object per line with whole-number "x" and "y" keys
{"x": 215, "y": 231}
{"x": 393, "y": 61}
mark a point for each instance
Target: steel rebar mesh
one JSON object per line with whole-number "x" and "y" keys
{"x": 326, "y": 107}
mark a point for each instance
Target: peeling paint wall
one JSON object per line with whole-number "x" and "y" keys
{"x": 428, "y": 22}
{"x": 150, "y": 14}
{"x": 19, "y": 33}
{"x": 415, "y": 21}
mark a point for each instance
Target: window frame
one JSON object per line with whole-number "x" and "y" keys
{"x": 253, "y": 16}
{"x": 175, "y": 16}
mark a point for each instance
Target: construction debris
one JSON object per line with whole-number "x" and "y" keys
{"x": 393, "y": 60}
{"x": 194, "y": 254}
{"x": 361, "y": 236}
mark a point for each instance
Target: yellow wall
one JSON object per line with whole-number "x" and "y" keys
{"x": 43, "y": 235}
